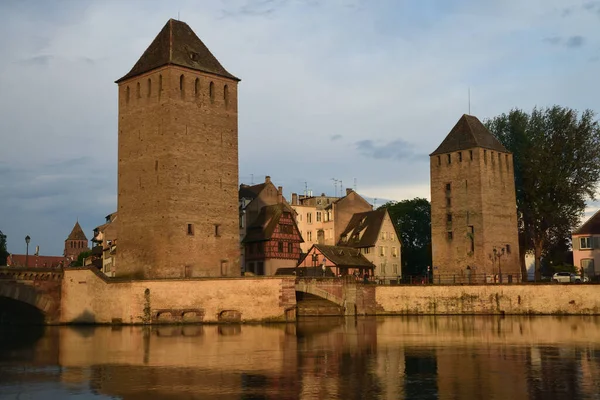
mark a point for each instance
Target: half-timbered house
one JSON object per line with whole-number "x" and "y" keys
{"x": 272, "y": 241}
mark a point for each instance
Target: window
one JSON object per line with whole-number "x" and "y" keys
{"x": 138, "y": 91}
{"x": 190, "y": 229}
{"x": 224, "y": 265}
{"x": 318, "y": 216}
{"x": 472, "y": 238}
{"x": 448, "y": 202}
{"x": 181, "y": 82}
{"x": 309, "y": 218}
{"x": 449, "y": 235}
{"x": 226, "y": 95}
{"x": 394, "y": 252}
{"x": 471, "y": 154}
{"x": 460, "y": 156}
{"x": 127, "y": 95}
{"x": 508, "y": 249}
{"x": 366, "y": 250}
{"x": 585, "y": 243}
{"x": 309, "y": 236}
{"x": 149, "y": 87}
{"x": 485, "y": 156}
{"x": 290, "y": 247}
{"x": 449, "y": 158}
{"x": 449, "y": 217}
{"x": 382, "y": 235}
{"x": 381, "y": 251}
{"x": 241, "y": 221}
{"x": 448, "y": 187}
{"x": 211, "y": 92}
{"x": 280, "y": 247}
{"x": 439, "y": 160}
{"x": 217, "y": 230}
{"x": 159, "y": 84}
{"x": 197, "y": 87}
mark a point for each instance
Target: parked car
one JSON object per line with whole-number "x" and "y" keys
{"x": 568, "y": 277}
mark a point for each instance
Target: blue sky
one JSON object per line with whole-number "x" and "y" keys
{"x": 353, "y": 89}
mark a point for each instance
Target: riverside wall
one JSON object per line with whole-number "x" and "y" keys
{"x": 89, "y": 298}
{"x": 519, "y": 299}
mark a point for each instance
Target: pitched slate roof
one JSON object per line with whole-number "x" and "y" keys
{"x": 250, "y": 192}
{"x": 363, "y": 229}
{"x": 263, "y": 227}
{"x": 590, "y": 227}
{"x": 177, "y": 44}
{"x": 77, "y": 233}
{"x": 343, "y": 256}
{"x": 468, "y": 133}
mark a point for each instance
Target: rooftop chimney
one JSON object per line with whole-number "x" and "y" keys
{"x": 267, "y": 179}
{"x": 279, "y": 194}
{"x": 294, "y": 199}
{"x": 348, "y": 191}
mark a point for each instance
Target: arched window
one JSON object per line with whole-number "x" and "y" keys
{"x": 197, "y": 87}
{"x": 149, "y": 87}
{"x": 226, "y": 95}
{"x": 127, "y": 95}
{"x": 138, "y": 93}
{"x": 211, "y": 92}
{"x": 181, "y": 86}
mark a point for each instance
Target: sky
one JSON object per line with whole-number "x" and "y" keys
{"x": 357, "y": 91}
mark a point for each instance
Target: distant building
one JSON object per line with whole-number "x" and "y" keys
{"x": 105, "y": 246}
{"x": 272, "y": 241}
{"x": 586, "y": 247}
{"x": 75, "y": 244}
{"x": 322, "y": 219}
{"x": 35, "y": 261}
{"x": 473, "y": 207}
{"x": 374, "y": 235}
{"x": 326, "y": 260}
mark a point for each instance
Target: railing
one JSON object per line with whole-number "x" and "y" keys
{"x": 473, "y": 279}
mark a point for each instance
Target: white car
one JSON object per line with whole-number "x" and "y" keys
{"x": 568, "y": 277}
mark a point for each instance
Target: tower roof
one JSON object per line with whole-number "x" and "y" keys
{"x": 468, "y": 133}
{"x": 177, "y": 44}
{"x": 77, "y": 233}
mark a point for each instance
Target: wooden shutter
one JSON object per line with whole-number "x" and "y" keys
{"x": 575, "y": 243}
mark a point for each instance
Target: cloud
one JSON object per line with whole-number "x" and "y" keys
{"x": 397, "y": 149}
{"x": 42, "y": 60}
{"x": 570, "y": 42}
{"x": 335, "y": 137}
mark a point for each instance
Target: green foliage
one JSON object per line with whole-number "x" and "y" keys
{"x": 552, "y": 269}
{"x": 3, "y": 250}
{"x": 81, "y": 258}
{"x": 557, "y": 168}
{"x": 412, "y": 220}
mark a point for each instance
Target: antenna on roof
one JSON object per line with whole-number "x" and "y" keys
{"x": 469, "y": 96}
{"x": 335, "y": 181}
{"x": 355, "y": 184}
{"x": 341, "y": 188}
{"x": 305, "y": 188}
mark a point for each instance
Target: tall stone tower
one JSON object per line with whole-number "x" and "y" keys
{"x": 473, "y": 207}
{"x": 75, "y": 244}
{"x": 178, "y": 162}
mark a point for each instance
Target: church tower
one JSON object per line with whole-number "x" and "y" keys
{"x": 178, "y": 162}
{"x": 473, "y": 207}
{"x": 75, "y": 244}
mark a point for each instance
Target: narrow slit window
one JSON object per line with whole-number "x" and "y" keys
{"x": 197, "y": 87}
{"x": 449, "y": 235}
{"x": 217, "y": 230}
{"x": 181, "y": 85}
{"x": 138, "y": 91}
{"x": 449, "y": 217}
{"x": 160, "y": 85}
{"x": 460, "y": 156}
{"x": 149, "y": 87}
{"x": 127, "y": 95}
{"x": 449, "y": 156}
{"x": 226, "y": 96}
{"x": 439, "y": 160}
{"x": 211, "y": 92}
{"x": 471, "y": 154}
{"x": 190, "y": 229}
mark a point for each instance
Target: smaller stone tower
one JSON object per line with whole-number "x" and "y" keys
{"x": 75, "y": 244}
{"x": 473, "y": 207}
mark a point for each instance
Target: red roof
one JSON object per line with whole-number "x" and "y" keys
{"x": 18, "y": 260}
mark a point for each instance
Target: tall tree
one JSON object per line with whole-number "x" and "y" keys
{"x": 556, "y": 155}
{"x": 412, "y": 220}
{"x": 3, "y": 250}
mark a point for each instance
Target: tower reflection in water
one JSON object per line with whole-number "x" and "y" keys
{"x": 386, "y": 358}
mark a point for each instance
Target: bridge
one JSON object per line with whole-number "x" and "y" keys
{"x": 351, "y": 297}
{"x": 30, "y": 295}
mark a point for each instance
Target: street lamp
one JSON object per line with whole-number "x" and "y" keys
{"x": 27, "y": 240}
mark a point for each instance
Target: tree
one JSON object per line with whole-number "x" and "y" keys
{"x": 412, "y": 220}
{"x": 81, "y": 258}
{"x": 3, "y": 250}
{"x": 556, "y": 157}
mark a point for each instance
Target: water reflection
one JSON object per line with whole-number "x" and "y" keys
{"x": 380, "y": 358}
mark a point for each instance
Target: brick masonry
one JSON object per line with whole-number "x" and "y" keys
{"x": 178, "y": 175}
{"x": 481, "y": 196}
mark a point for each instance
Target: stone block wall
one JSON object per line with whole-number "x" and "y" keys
{"x": 87, "y": 298}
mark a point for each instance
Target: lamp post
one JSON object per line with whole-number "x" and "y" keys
{"x": 27, "y": 240}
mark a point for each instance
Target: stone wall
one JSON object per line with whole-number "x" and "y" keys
{"x": 488, "y": 299}
{"x": 88, "y": 298}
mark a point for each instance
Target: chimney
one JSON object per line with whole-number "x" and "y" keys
{"x": 348, "y": 191}
{"x": 267, "y": 179}
{"x": 279, "y": 195}
{"x": 294, "y": 199}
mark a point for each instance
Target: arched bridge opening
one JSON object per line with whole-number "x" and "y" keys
{"x": 17, "y": 312}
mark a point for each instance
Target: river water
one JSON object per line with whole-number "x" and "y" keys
{"x": 327, "y": 358}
